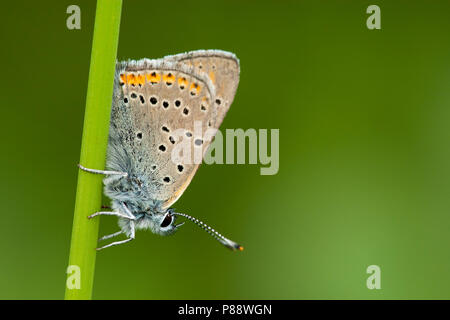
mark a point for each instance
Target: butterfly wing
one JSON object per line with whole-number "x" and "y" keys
{"x": 163, "y": 105}
{"x": 157, "y": 104}
{"x": 223, "y": 70}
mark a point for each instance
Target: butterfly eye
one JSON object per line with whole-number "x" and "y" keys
{"x": 167, "y": 221}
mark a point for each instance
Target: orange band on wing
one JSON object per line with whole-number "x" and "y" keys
{"x": 169, "y": 78}
{"x": 182, "y": 82}
{"x": 195, "y": 88}
{"x": 140, "y": 79}
{"x": 131, "y": 79}
{"x": 154, "y": 78}
{"x": 123, "y": 78}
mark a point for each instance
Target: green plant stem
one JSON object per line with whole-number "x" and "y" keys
{"x": 94, "y": 145}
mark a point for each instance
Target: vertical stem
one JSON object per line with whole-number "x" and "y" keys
{"x": 93, "y": 148}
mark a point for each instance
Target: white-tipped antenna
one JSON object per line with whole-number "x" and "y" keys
{"x": 226, "y": 242}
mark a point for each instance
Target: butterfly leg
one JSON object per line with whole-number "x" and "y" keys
{"x": 111, "y": 213}
{"x": 122, "y": 241}
{"x": 105, "y": 172}
{"x": 128, "y": 212}
{"x": 109, "y": 236}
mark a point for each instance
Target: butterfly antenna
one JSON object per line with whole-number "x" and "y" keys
{"x": 226, "y": 242}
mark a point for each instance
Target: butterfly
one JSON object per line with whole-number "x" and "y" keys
{"x": 159, "y": 105}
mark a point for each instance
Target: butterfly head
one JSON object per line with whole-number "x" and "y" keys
{"x": 164, "y": 223}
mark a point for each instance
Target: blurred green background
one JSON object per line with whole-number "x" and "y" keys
{"x": 364, "y": 152}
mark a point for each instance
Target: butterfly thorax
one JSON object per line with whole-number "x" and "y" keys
{"x": 132, "y": 189}
{"x": 133, "y": 193}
